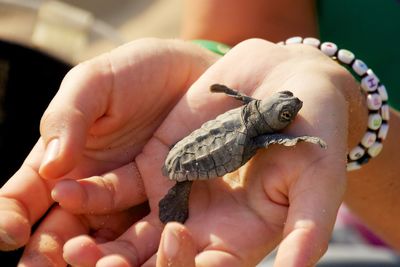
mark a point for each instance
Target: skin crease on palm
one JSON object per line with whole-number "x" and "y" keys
{"x": 279, "y": 194}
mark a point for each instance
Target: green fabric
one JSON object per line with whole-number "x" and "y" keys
{"x": 371, "y": 30}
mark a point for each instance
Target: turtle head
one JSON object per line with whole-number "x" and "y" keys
{"x": 280, "y": 109}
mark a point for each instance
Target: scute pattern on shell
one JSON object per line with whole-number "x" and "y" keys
{"x": 216, "y": 148}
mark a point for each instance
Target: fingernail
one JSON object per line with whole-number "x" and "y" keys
{"x": 52, "y": 150}
{"x": 55, "y": 195}
{"x": 170, "y": 244}
{"x": 6, "y": 239}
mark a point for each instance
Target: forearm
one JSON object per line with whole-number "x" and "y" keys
{"x": 373, "y": 191}
{"x": 233, "y": 21}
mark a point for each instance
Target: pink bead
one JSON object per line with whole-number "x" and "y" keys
{"x": 329, "y": 48}
{"x": 374, "y": 101}
{"x": 368, "y": 139}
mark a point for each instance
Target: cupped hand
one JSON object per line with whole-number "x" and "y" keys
{"x": 286, "y": 196}
{"x": 104, "y": 113}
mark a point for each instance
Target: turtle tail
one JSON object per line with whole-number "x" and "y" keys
{"x": 175, "y": 205}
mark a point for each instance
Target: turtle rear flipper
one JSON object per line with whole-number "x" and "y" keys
{"x": 175, "y": 205}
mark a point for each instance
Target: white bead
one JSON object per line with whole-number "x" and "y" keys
{"x": 375, "y": 149}
{"x": 383, "y": 131}
{"x": 294, "y": 40}
{"x": 359, "y": 67}
{"x": 345, "y": 56}
{"x": 368, "y": 139}
{"x": 329, "y": 48}
{"x": 312, "y": 41}
{"x": 356, "y": 153}
{"x": 385, "y": 112}
{"x": 374, "y": 121}
{"x": 374, "y": 101}
{"x": 382, "y": 92}
{"x": 370, "y": 82}
{"x": 352, "y": 166}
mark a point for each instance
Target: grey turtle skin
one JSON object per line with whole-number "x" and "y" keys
{"x": 222, "y": 145}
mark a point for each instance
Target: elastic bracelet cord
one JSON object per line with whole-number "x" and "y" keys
{"x": 377, "y": 98}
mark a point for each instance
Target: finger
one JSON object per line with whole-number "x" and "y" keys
{"x": 46, "y": 244}
{"x": 113, "y": 191}
{"x": 73, "y": 110}
{"x": 177, "y": 247}
{"x": 23, "y": 200}
{"x": 113, "y": 261}
{"x": 136, "y": 245}
{"x": 93, "y": 98}
{"x": 311, "y": 217}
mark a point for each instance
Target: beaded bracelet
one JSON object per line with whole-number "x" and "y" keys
{"x": 377, "y": 98}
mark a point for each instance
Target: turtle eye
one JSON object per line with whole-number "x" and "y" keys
{"x": 286, "y": 115}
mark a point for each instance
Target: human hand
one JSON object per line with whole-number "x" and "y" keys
{"x": 104, "y": 113}
{"x": 283, "y": 196}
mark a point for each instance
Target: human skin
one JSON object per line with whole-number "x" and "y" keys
{"x": 372, "y": 192}
{"x": 306, "y": 208}
{"x": 284, "y": 197}
{"x": 26, "y": 196}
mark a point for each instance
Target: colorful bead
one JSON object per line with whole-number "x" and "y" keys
{"x": 383, "y": 131}
{"x": 374, "y": 101}
{"x": 312, "y": 41}
{"x": 375, "y": 149}
{"x": 377, "y": 97}
{"x": 329, "y": 49}
{"x": 294, "y": 40}
{"x": 356, "y": 153}
{"x": 368, "y": 139}
{"x": 345, "y": 56}
{"x": 359, "y": 67}
{"x": 352, "y": 166}
{"x": 382, "y": 92}
{"x": 370, "y": 82}
{"x": 385, "y": 112}
{"x": 374, "y": 121}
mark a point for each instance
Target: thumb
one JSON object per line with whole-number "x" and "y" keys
{"x": 81, "y": 99}
{"x": 177, "y": 247}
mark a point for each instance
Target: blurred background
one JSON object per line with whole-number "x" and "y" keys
{"x": 76, "y": 30}
{"x": 41, "y": 40}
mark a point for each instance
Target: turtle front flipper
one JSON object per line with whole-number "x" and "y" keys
{"x": 219, "y": 88}
{"x": 175, "y": 205}
{"x": 264, "y": 141}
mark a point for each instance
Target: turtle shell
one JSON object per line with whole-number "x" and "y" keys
{"x": 213, "y": 150}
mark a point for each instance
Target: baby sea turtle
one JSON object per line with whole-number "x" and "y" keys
{"x": 224, "y": 144}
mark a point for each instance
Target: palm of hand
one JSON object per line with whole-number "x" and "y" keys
{"x": 239, "y": 218}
